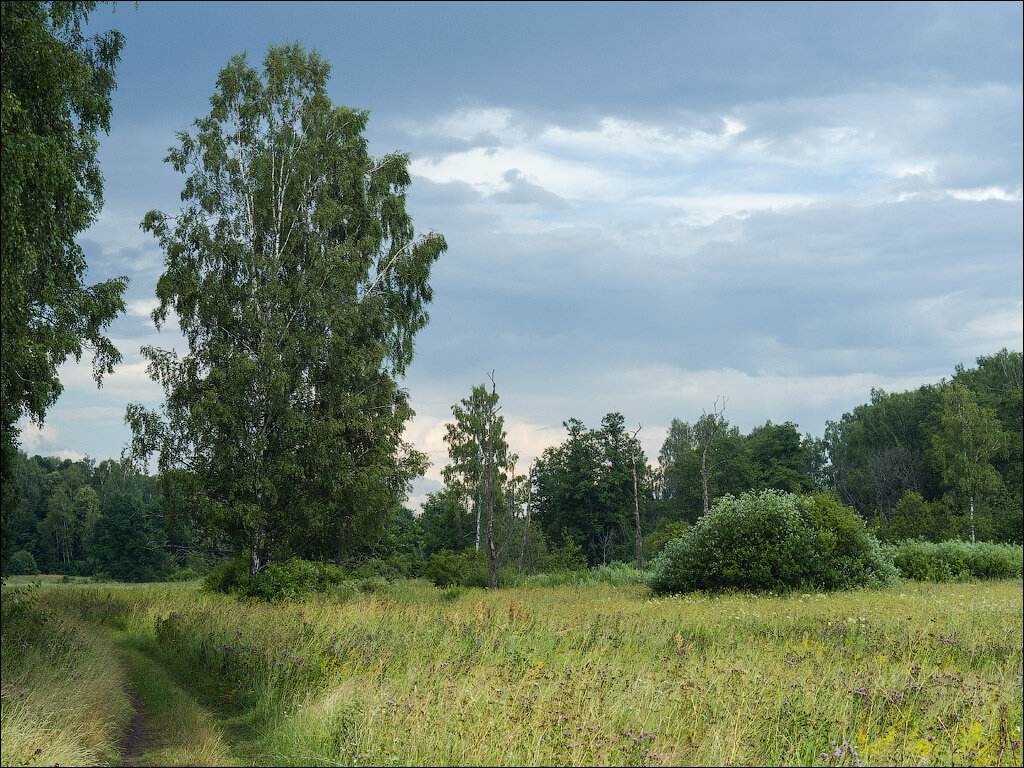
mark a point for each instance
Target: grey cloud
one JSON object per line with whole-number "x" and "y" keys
{"x": 523, "y": 192}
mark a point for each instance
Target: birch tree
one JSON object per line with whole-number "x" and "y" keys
{"x": 968, "y": 439}
{"x": 299, "y": 285}
{"x": 481, "y": 464}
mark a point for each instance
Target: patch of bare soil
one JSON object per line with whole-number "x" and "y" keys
{"x": 136, "y": 737}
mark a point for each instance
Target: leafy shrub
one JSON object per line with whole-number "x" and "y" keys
{"x": 22, "y": 564}
{"x": 288, "y": 579}
{"x": 227, "y": 577}
{"x": 464, "y": 569}
{"x": 567, "y": 557}
{"x": 185, "y": 574}
{"x": 773, "y": 541}
{"x": 956, "y": 560}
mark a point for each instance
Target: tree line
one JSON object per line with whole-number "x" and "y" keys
{"x": 588, "y": 501}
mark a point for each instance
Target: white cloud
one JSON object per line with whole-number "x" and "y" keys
{"x": 45, "y": 440}
{"x": 527, "y": 439}
{"x": 987, "y": 193}
{"x": 128, "y": 382}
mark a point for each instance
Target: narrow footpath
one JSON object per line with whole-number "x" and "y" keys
{"x": 169, "y": 727}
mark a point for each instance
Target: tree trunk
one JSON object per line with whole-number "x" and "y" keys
{"x": 972, "y": 518}
{"x": 477, "y": 505}
{"x": 255, "y": 559}
{"x": 489, "y": 497}
{"x": 704, "y": 475}
{"x": 636, "y": 506}
{"x": 526, "y": 527}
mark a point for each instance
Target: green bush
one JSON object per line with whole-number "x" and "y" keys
{"x": 956, "y": 560}
{"x": 447, "y": 568}
{"x": 291, "y": 578}
{"x": 567, "y": 557}
{"x": 185, "y": 574}
{"x": 22, "y": 564}
{"x": 773, "y": 541}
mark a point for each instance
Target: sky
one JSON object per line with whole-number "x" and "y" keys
{"x": 648, "y": 206}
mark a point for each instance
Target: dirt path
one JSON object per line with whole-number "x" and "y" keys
{"x": 169, "y": 727}
{"x": 136, "y": 737}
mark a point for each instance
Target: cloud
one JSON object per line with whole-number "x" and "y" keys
{"x": 988, "y": 193}
{"x": 129, "y": 382}
{"x": 45, "y": 440}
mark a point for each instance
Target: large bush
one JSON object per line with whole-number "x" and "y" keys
{"x": 463, "y": 569}
{"x": 773, "y": 541}
{"x": 956, "y": 560}
{"x": 22, "y": 564}
{"x": 291, "y": 578}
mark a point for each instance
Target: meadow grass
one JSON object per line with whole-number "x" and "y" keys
{"x": 62, "y": 696}
{"x": 918, "y": 674}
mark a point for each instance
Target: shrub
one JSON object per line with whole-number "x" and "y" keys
{"x": 22, "y": 564}
{"x": 464, "y": 569}
{"x": 956, "y": 560}
{"x": 773, "y": 541}
{"x": 292, "y": 578}
{"x": 567, "y": 557}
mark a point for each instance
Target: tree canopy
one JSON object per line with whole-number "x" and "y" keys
{"x": 55, "y": 89}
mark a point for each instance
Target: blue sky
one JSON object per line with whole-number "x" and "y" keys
{"x": 648, "y": 206}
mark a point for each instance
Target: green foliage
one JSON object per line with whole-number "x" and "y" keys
{"x": 299, "y": 284}
{"x": 55, "y": 89}
{"x": 772, "y": 541}
{"x": 291, "y": 578}
{"x": 127, "y": 541}
{"x": 21, "y": 563}
{"x": 666, "y": 531}
{"x": 956, "y": 560}
{"x": 949, "y": 443}
{"x": 227, "y": 577}
{"x": 968, "y": 439}
{"x": 615, "y": 574}
{"x": 915, "y": 517}
{"x": 584, "y": 488}
{"x": 566, "y": 557}
{"x": 481, "y": 465}
{"x": 771, "y": 456}
{"x": 446, "y": 523}
{"x": 464, "y": 569}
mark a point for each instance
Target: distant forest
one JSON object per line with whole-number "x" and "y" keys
{"x": 913, "y": 464}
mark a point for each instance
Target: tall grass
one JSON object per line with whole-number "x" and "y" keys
{"x": 574, "y": 675}
{"x": 62, "y": 696}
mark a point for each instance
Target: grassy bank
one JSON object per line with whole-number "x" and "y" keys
{"x": 921, "y": 674}
{"x": 63, "y": 689}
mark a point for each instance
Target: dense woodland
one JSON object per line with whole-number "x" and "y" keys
{"x": 888, "y": 459}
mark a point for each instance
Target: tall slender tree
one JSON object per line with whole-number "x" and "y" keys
{"x": 481, "y": 463}
{"x": 967, "y": 441}
{"x": 299, "y": 286}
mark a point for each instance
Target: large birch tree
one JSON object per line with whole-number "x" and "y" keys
{"x": 299, "y": 285}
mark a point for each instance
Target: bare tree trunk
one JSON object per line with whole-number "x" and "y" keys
{"x": 972, "y": 519}
{"x": 476, "y": 503}
{"x": 636, "y": 504}
{"x": 489, "y": 503}
{"x": 704, "y": 475}
{"x": 526, "y": 527}
{"x": 254, "y": 559}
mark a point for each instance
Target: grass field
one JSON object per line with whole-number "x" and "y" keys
{"x": 923, "y": 674}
